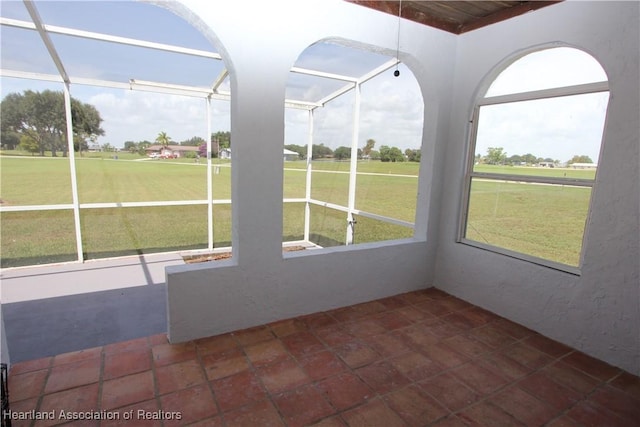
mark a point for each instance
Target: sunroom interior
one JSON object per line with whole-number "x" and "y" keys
{"x": 591, "y": 304}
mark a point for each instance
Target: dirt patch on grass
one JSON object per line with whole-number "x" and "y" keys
{"x": 193, "y": 259}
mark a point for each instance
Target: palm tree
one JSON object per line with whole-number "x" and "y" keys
{"x": 163, "y": 139}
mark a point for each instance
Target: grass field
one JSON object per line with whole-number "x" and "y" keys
{"x": 510, "y": 215}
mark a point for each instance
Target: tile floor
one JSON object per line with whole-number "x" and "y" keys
{"x": 416, "y": 359}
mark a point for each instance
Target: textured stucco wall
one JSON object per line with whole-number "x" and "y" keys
{"x": 597, "y": 311}
{"x": 260, "y": 45}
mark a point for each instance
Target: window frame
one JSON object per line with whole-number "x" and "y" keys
{"x": 470, "y": 174}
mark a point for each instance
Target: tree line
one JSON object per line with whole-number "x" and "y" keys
{"x": 384, "y": 154}
{"x": 36, "y": 122}
{"x": 497, "y": 156}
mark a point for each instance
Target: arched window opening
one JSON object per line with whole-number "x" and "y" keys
{"x": 149, "y": 170}
{"x": 536, "y": 142}
{"x": 352, "y": 148}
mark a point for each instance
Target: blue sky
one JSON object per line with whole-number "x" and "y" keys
{"x": 391, "y": 112}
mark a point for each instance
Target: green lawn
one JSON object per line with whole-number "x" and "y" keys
{"x": 388, "y": 189}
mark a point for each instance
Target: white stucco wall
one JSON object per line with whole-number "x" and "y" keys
{"x": 598, "y": 311}
{"x": 260, "y": 44}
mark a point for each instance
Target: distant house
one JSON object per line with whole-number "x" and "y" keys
{"x": 290, "y": 155}
{"x": 583, "y": 165}
{"x": 170, "y": 151}
{"x": 225, "y": 153}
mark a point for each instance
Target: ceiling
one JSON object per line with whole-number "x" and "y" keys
{"x": 455, "y": 16}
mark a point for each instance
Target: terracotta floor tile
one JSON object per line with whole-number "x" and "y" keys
{"x": 435, "y": 307}
{"x": 450, "y": 421}
{"x": 370, "y": 307}
{"x": 302, "y": 406}
{"x": 124, "y": 346}
{"x": 356, "y": 354}
{"x": 492, "y": 335}
{"x": 619, "y": 402}
{"x": 563, "y": 421}
{"x": 220, "y": 366}
{"x": 253, "y": 335}
{"x": 415, "y": 366}
{"x": 364, "y": 327}
{"x": 414, "y": 314}
{"x": 572, "y": 378}
{"x": 392, "y": 320}
{"x": 462, "y": 322}
{"x": 418, "y": 337}
{"x": 479, "y": 378}
{"x": 505, "y": 366}
{"x": 449, "y": 391}
{"x": 188, "y": 405}
{"x": 317, "y": 320}
{"x": 345, "y": 390}
{"x": 415, "y": 407}
{"x": 27, "y": 385}
{"x": 127, "y": 390}
{"x": 334, "y": 421}
{"x": 321, "y": 365}
{"x": 442, "y": 329}
{"x": 142, "y": 411}
{"x": 628, "y": 383}
{"x": 526, "y": 356}
{"x": 346, "y": 314}
{"x": 178, "y": 376}
{"x": 444, "y": 355}
{"x": 266, "y": 352}
{"x": 425, "y": 358}
{"x": 513, "y": 329}
{"x": 238, "y": 390}
{"x": 209, "y": 422}
{"x": 389, "y": 344}
{"x": 282, "y": 376}
{"x": 288, "y": 327}
{"x": 301, "y": 343}
{"x": 481, "y": 315}
{"x": 216, "y": 345}
{"x": 590, "y": 414}
{"x": 540, "y": 385}
{"x": 262, "y": 414}
{"x": 373, "y": 414}
{"x": 126, "y": 363}
{"x": 467, "y": 346}
{"x": 166, "y": 354}
{"x": 524, "y": 407}
{"x": 26, "y": 405}
{"x": 334, "y": 335}
{"x": 65, "y": 404}
{"x": 414, "y": 297}
{"x": 391, "y": 303}
{"x": 547, "y": 345}
{"x": 594, "y": 367}
{"x": 485, "y": 414}
{"x": 30, "y": 366}
{"x": 382, "y": 377}
{"x": 72, "y": 375}
{"x": 77, "y": 356}
{"x": 157, "y": 339}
